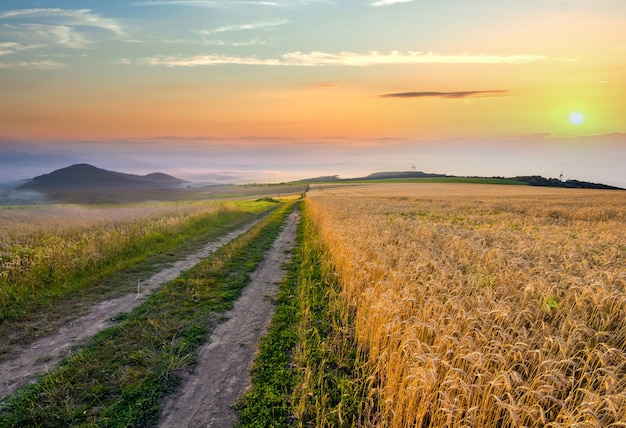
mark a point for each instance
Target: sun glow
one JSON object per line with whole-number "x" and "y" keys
{"x": 576, "y": 118}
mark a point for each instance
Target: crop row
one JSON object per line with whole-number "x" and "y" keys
{"x": 494, "y": 309}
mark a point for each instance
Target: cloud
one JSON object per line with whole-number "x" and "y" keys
{"x": 328, "y": 84}
{"x": 203, "y": 3}
{"x": 61, "y": 35}
{"x": 395, "y": 57}
{"x": 351, "y": 59}
{"x": 203, "y": 60}
{"x": 226, "y": 3}
{"x": 177, "y": 3}
{"x": 459, "y": 94}
{"x": 389, "y": 2}
{"x": 32, "y": 65}
{"x": 217, "y": 42}
{"x": 242, "y": 27}
{"x": 41, "y": 30}
{"x": 74, "y": 17}
{"x": 8, "y": 48}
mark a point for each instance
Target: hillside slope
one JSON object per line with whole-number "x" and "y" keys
{"x": 89, "y": 177}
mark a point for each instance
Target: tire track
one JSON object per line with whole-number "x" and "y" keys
{"x": 44, "y": 354}
{"x": 222, "y": 372}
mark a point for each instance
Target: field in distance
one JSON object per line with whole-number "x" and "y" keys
{"x": 477, "y": 305}
{"x": 121, "y": 196}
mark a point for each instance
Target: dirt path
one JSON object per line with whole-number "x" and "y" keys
{"x": 45, "y": 353}
{"x": 223, "y": 370}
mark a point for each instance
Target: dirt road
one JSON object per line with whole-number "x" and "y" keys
{"x": 223, "y": 369}
{"x": 46, "y": 352}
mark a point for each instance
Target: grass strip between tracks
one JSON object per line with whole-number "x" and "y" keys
{"x": 121, "y": 376}
{"x": 304, "y": 373}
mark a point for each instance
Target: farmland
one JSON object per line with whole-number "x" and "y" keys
{"x": 456, "y": 305}
{"x": 485, "y": 307}
{"x": 56, "y": 254}
{"x": 431, "y": 305}
{"x": 121, "y": 375}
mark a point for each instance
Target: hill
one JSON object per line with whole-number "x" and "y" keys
{"x": 89, "y": 177}
{"x": 411, "y": 176}
{"x": 536, "y": 180}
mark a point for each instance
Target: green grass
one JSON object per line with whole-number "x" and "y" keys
{"x": 304, "y": 374}
{"x": 466, "y": 180}
{"x": 24, "y": 319}
{"x": 120, "y": 378}
{"x": 187, "y": 194}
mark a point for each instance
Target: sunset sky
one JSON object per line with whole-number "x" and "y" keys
{"x": 235, "y": 91}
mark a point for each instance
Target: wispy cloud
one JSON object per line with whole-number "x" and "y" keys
{"x": 224, "y": 4}
{"x": 242, "y": 27}
{"x": 217, "y": 42}
{"x": 203, "y": 3}
{"x": 328, "y": 84}
{"x": 32, "y": 65}
{"x": 459, "y": 94}
{"x": 202, "y": 60}
{"x": 46, "y": 32}
{"x": 395, "y": 57}
{"x": 62, "y": 35}
{"x": 8, "y": 48}
{"x": 74, "y": 17}
{"x": 176, "y": 3}
{"x": 351, "y": 59}
{"x": 379, "y": 3}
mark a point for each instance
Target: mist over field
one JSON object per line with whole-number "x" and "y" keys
{"x": 220, "y": 92}
{"x": 262, "y": 160}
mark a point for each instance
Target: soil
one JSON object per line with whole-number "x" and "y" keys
{"x": 222, "y": 372}
{"x": 38, "y": 357}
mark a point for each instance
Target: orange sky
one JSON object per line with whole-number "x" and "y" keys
{"x": 311, "y": 69}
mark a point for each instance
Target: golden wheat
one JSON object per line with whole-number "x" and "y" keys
{"x": 484, "y": 305}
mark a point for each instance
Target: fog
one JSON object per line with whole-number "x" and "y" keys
{"x": 258, "y": 160}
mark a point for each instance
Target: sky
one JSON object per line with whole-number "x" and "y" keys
{"x": 258, "y": 90}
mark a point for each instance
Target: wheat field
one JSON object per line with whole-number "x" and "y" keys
{"x": 481, "y": 305}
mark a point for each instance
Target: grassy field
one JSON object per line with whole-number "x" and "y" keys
{"x": 453, "y": 305}
{"x": 460, "y": 180}
{"x": 128, "y": 196}
{"x": 56, "y": 259}
{"x": 120, "y": 378}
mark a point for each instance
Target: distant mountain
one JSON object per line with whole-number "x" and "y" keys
{"x": 88, "y": 177}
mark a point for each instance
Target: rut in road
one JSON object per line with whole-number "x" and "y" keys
{"x": 222, "y": 372}
{"x": 42, "y": 355}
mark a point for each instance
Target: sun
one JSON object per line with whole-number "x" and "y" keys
{"x": 576, "y": 118}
